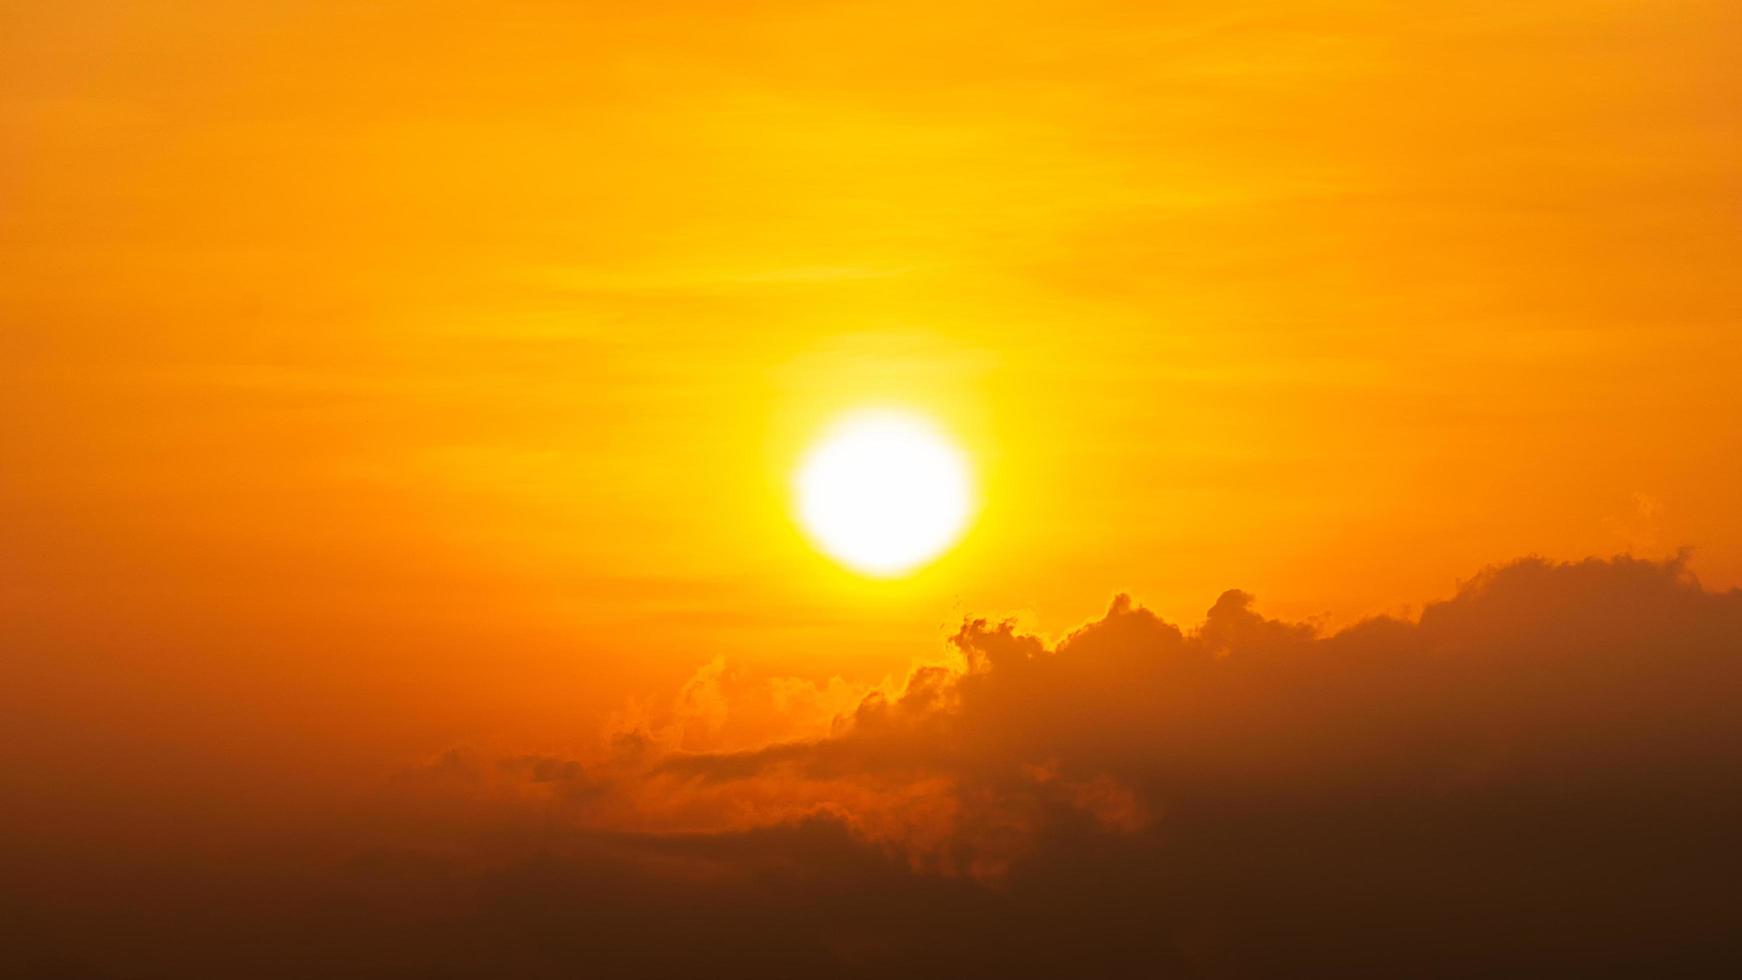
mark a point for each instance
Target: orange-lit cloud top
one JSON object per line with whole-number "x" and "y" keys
{"x": 1545, "y": 758}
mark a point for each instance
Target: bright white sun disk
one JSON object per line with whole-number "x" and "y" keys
{"x": 884, "y": 492}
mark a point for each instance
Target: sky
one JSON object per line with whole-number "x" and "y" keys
{"x": 399, "y": 388}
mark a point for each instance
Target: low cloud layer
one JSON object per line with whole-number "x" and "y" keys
{"x": 1537, "y": 774}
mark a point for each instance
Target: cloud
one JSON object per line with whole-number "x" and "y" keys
{"x": 1584, "y": 675}
{"x": 1537, "y": 775}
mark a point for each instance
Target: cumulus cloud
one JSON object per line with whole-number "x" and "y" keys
{"x": 1537, "y": 774}
{"x": 1579, "y": 676}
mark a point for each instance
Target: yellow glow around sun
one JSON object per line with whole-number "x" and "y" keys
{"x": 883, "y": 492}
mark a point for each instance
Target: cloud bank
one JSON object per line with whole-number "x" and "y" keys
{"x": 1538, "y": 774}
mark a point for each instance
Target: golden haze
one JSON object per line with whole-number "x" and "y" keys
{"x": 381, "y": 378}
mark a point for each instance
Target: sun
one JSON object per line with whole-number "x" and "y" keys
{"x": 883, "y": 492}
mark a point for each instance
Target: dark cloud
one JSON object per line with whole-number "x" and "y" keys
{"x": 1538, "y": 775}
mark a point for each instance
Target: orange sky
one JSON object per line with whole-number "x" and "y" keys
{"x": 391, "y": 376}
